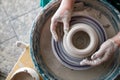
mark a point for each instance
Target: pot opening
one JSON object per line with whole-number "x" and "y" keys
{"x": 81, "y": 40}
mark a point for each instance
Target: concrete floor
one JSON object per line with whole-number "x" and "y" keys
{"x": 16, "y": 17}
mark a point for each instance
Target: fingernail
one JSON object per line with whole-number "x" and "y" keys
{"x": 82, "y": 62}
{"x": 93, "y": 57}
{"x": 55, "y": 37}
{"x": 66, "y": 31}
{"x": 55, "y": 40}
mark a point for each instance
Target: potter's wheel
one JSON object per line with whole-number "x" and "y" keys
{"x": 42, "y": 52}
{"x": 65, "y": 51}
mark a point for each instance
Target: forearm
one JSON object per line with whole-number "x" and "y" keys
{"x": 116, "y": 39}
{"x": 67, "y": 4}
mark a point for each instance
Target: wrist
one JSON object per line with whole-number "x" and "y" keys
{"x": 116, "y": 39}
{"x": 67, "y": 4}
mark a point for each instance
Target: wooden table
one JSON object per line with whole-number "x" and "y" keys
{"x": 24, "y": 60}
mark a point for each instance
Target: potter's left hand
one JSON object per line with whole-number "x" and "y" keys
{"x": 106, "y": 51}
{"x": 63, "y": 15}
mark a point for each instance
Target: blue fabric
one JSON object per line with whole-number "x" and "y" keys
{"x": 44, "y": 2}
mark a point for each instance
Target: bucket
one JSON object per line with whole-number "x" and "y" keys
{"x": 46, "y": 58}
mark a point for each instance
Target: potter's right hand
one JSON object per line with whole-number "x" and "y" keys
{"x": 63, "y": 15}
{"x": 105, "y": 52}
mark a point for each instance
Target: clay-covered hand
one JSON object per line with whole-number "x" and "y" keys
{"x": 106, "y": 51}
{"x": 63, "y": 15}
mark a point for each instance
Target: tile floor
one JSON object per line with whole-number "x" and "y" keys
{"x": 16, "y": 17}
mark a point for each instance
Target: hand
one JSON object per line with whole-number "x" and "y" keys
{"x": 105, "y": 52}
{"x": 63, "y": 15}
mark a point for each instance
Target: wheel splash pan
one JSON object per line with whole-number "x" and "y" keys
{"x": 40, "y": 43}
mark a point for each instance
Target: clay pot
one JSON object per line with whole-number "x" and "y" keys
{"x": 81, "y": 41}
{"x": 25, "y": 74}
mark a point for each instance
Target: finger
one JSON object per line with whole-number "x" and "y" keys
{"x": 91, "y": 62}
{"x": 98, "y": 54}
{"x": 84, "y": 62}
{"x": 53, "y": 30}
{"x": 66, "y": 26}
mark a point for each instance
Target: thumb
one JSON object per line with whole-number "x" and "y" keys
{"x": 98, "y": 54}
